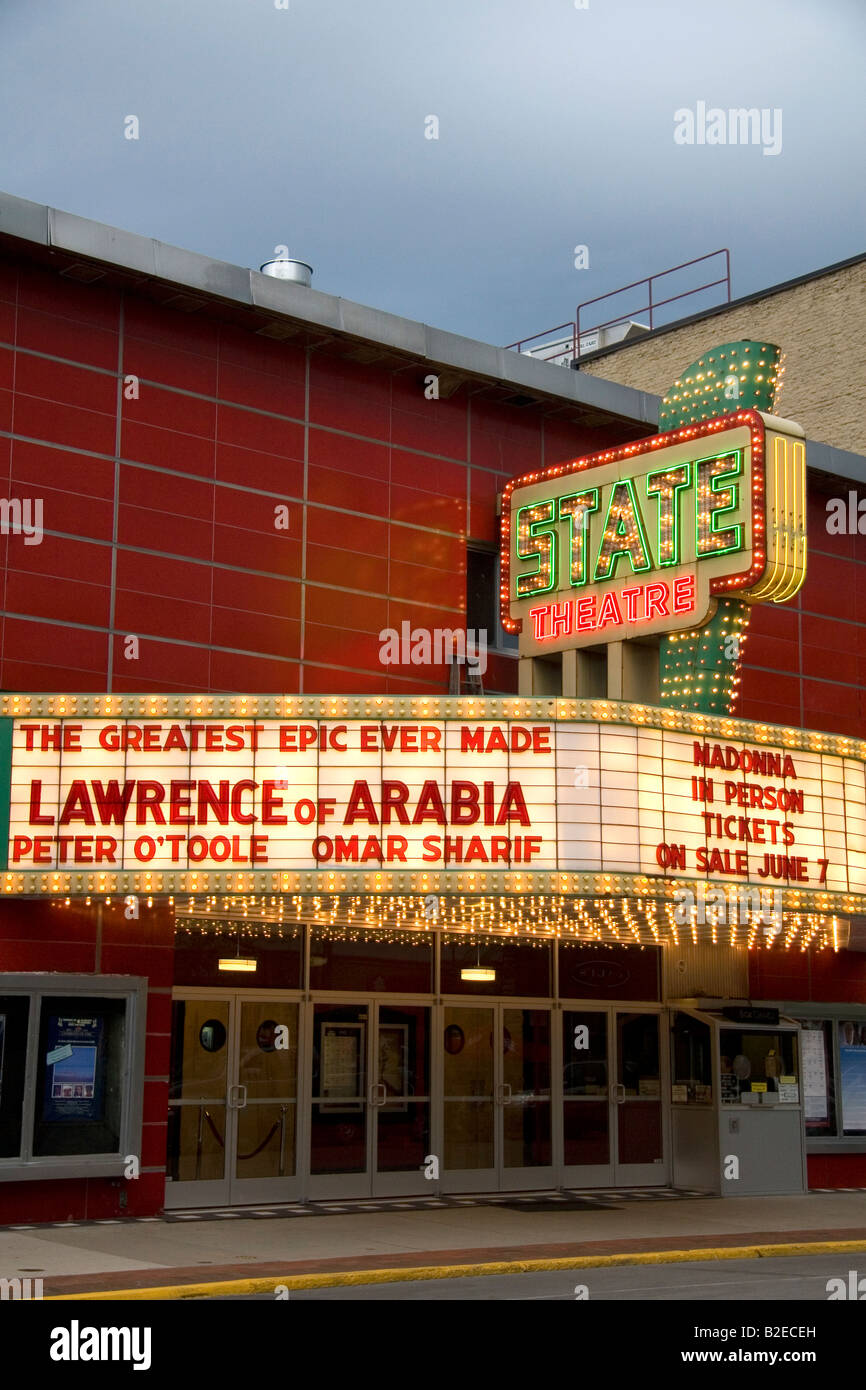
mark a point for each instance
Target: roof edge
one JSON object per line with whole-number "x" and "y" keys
{"x": 150, "y": 259}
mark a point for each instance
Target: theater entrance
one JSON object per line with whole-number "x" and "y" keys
{"x": 272, "y": 1099}
{"x": 497, "y": 1130}
{"x": 275, "y": 1097}
{"x": 233, "y": 1099}
{"x": 612, "y": 1087}
{"x": 370, "y": 1098}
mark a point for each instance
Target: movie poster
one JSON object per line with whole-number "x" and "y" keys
{"x": 852, "y": 1055}
{"x": 73, "y": 1066}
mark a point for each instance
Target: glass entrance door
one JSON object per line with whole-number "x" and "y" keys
{"x": 371, "y": 1099}
{"x": 402, "y": 1099}
{"x": 196, "y": 1168}
{"x": 612, "y": 1122}
{"x": 588, "y": 1157}
{"x": 470, "y": 1152}
{"x": 341, "y": 1101}
{"x": 496, "y": 1098}
{"x": 638, "y": 1100}
{"x": 525, "y": 1111}
{"x": 264, "y": 1102}
{"x": 233, "y": 1100}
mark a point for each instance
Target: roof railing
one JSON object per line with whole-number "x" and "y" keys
{"x": 578, "y": 330}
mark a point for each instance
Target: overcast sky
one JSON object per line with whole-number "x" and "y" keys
{"x": 305, "y": 126}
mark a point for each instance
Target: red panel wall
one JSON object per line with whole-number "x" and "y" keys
{"x": 836, "y": 1170}
{"x": 808, "y": 976}
{"x": 805, "y": 661}
{"x": 175, "y": 541}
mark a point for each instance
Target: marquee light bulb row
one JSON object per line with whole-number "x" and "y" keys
{"x": 640, "y": 920}
{"x": 554, "y": 709}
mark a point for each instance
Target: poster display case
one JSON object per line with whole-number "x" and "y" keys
{"x": 71, "y": 1074}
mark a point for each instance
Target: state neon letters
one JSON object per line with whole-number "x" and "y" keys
{"x": 641, "y": 539}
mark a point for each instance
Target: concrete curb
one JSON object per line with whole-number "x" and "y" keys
{"x": 348, "y": 1278}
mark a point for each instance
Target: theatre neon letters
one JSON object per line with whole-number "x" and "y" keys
{"x": 644, "y": 538}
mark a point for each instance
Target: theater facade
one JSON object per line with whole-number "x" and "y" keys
{"x": 290, "y": 911}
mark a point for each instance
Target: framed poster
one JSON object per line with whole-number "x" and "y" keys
{"x": 73, "y": 1069}
{"x": 342, "y": 1067}
{"x": 394, "y": 1064}
{"x": 813, "y": 1051}
{"x": 852, "y": 1058}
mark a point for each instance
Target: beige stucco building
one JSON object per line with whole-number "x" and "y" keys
{"x": 819, "y": 320}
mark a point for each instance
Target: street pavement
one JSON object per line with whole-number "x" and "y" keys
{"x": 116, "y": 1258}
{"x": 790, "y": 1280}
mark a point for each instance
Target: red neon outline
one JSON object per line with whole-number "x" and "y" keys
{"x": 701, "y": 430}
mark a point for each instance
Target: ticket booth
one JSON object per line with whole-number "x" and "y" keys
{"x": 737, "y": 1119}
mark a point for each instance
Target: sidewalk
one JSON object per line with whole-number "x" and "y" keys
{"x": 138, "y": 1255}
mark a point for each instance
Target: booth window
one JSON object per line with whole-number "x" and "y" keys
{"x": 71, "y": 1074}
{"x": 759, "y": 1061}
{"x": 692, "y": 1070}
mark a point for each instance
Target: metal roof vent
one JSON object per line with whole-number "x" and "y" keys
{"x": 286, "y": 269}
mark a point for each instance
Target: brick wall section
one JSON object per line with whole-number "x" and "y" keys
{"x": 819, "y": 325}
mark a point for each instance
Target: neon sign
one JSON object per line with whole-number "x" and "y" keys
{"x": 643, "y": 538}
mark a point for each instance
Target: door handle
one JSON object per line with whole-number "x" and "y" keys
{"x": 619, "y": 1092}
{"x": 237, "y": 1102}
{"x": 377, "y": 1094}
{"x": 504, "y": 1093}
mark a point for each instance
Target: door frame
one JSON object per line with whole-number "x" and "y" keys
{"x": 615, "y": 1174}
{"x": 231, "y": 1190}
{"x": 582, "y": 1175}
{"x": 498, "y": 1178}
{"x": 367, "y": 1183}
{"x": 656, "y": 1174}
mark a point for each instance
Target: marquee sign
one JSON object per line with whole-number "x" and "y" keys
{"x": 459, "y": 794}
{"x": 645, "y": 538}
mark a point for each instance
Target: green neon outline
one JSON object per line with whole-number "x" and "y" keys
{"x": 586, "y": 512}
{"x": 719, "y": 511}
{"x": 551, "y": 521}
{"x": 675, "y": 506}
{"x": 6, "y": 727}
{"x": 627, "y": 483}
